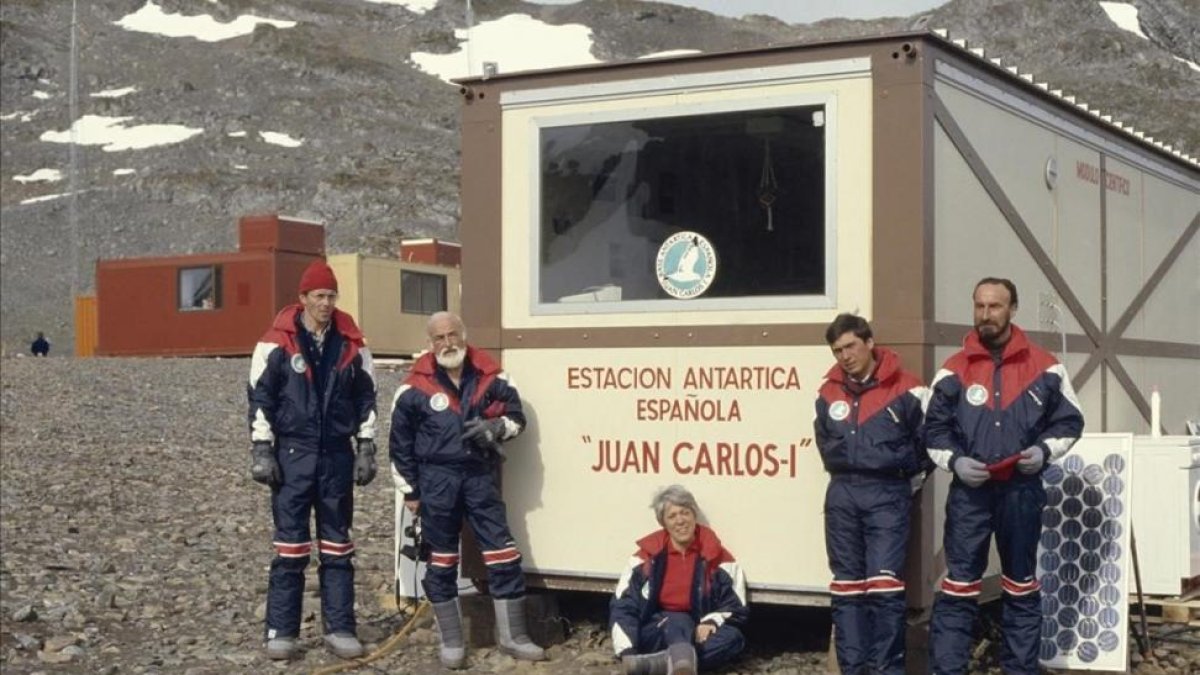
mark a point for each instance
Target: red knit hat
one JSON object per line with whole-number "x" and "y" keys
{"x": 318, "y": 276}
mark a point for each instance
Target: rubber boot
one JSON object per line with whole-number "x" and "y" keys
{"x": 681, "y": 659}
{"x": 452, "y": 652}
{"x": 645, "y": 664}
{"x": 511, "y": 636}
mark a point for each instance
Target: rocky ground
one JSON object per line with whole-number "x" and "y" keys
{"x": 132, "y": 541}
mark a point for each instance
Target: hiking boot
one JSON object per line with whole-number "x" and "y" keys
{"x": 281, "y": 648}
{"x": 344, "y": 645}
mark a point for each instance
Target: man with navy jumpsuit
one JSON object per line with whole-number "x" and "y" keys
{"x": 868, "y": 429}
{"x": 1000, "y": 410}
{"x": 449, "y": 418}
{"x": 312, "y": 428}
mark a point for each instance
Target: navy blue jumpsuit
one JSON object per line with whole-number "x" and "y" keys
{"x": 870, "y": 438}
{"x": 640, "y": 625}
{"x": 310, "y": 403}
{"x": 453, "y": 478}
{"x": 990, "y": 406}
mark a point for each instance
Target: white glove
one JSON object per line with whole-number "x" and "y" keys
{"x": 971, "y": 471}
{"x": 1032, "y": 460}
{"x": 917, "y": 481}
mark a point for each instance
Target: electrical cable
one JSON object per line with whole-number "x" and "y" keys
{"x": 380, "y": 651}
{"x": 390, "y": 643}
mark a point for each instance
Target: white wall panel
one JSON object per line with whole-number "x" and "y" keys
{"x": 1126, "y": 269}
{"x": 973, "y": 240}
{"x": 1173, "y": 312}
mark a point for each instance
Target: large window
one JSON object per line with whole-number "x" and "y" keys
{"x": 750, "y": 183}
{"x": 422, "y": 293}
{"x": 200, "y": 288}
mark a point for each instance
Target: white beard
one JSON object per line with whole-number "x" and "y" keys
{"x": 452, "y": 360}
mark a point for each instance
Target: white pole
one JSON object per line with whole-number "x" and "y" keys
{"x": 73, "y": 161}
{"x": 470, "y": 19}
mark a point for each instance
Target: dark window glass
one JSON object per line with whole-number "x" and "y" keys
{"x": 422, "y": 293}
{"x": 751, "y": 182}
{"x": 200, "y": 288}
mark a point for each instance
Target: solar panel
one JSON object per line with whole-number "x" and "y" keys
{"x": 1083, "y": 561}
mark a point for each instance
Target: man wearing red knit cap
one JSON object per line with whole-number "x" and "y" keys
{"x": 312, "y": 429}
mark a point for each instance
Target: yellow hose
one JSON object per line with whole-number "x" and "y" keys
{"x": 379, "y": 651}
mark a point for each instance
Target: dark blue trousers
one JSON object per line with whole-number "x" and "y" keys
{"x": 667, "y": 628}
{"x": 866, "y": 535}
{"x": 448, "y": 494}
{"x": 320, "y": 481}
{"x": 1013, "y": 510}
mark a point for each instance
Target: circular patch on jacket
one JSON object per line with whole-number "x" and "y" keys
{"x": 977, "y": 394}
{"x": 839, "y": 411}
{"x": 298, "y": 363}
{"x": 439, "y": 402}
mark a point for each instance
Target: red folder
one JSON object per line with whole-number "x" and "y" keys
{"x": 1003, "y": 470}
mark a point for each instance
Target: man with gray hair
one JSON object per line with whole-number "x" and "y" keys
{"x": 680, "y": 604}
{"x": 448, "y": 420}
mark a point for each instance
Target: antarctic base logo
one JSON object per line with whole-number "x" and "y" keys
{"x": 686, "y": 265}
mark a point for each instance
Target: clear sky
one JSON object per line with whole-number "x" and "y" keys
{"x": 800, "y": 11}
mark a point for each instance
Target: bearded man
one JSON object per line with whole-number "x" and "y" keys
{"x": 1001, "y": 410}
{"x": 448, "y": 420}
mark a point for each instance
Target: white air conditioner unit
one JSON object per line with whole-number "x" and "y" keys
{"x": 1166, "y": 512}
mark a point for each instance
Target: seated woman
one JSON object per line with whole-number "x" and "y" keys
{"x": 681, "y": 600}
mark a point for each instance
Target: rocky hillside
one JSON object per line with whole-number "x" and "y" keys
{"x": 378, "y": 158}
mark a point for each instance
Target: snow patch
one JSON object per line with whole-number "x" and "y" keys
{"x": 240, "y": 167}
{"x": 43, "y": 198}
{"x": 1125, "y": 16}
{"x": 515, "y": 42}
{"x": 41, "y": 94}
{"x": 152, "y": 19}
{"x": 124, "y": 172}
{"x": 40, "y": 176}
{"x": 277, "y": 138}
{"x": 415, "y": 6}
{"x": 237, "y": 134}
{"x": 114, "y": 135}
{"x": 669, "y": 52}
{"x": 9, "y": 116}
{"x": 114, "y": 93}
{"x": 1190, "y": 64}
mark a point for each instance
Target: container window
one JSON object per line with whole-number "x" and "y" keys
{"x": 422, "y": 293}
{"x": 200, "y": 288}
{"x": 751, "y": 183}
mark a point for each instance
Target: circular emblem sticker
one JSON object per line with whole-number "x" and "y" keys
{"x": 439, "y": 402}
{"x": 686, "y": 265}
{"x": 977, "y": 394}
{"x": 839, "y": 411}
{"x": 298, "y": 363}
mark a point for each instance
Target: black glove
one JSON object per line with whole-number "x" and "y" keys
{"x": 483, "y": 433}
{"x": 364, "y": 462}
{"x": 264, "y": 468}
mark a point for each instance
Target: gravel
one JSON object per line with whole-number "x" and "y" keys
{"x": 134, "y": 541}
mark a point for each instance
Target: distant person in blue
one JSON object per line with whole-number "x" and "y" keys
{"x": 40, "y": 346}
